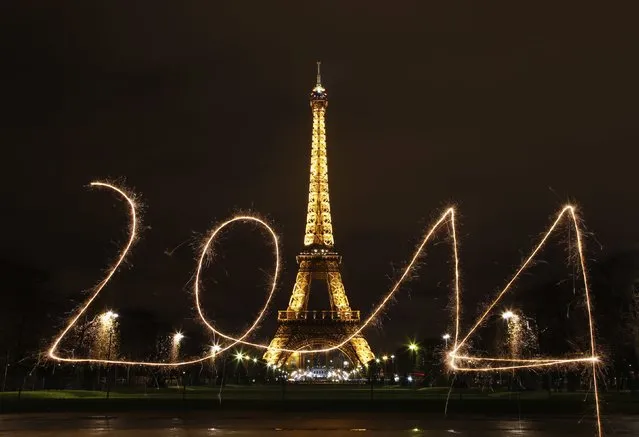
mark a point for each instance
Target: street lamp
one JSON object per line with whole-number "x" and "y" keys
{"x": 508, "y": 315}
{"x": 175, "y": 345}
{"x": 177, "y": 338}
{"x": 446, "y": 337}
{"x": 385, "y": 359}
{"x": 214, "y": 351}
{"x": 107, "y": 323}
{"x": 240, "y": 357}
{"x": 414, "y": 348}
{"x": 514, "y": 330}
{"x": 108, "y": 317}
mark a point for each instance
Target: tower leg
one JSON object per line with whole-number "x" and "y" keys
{"x": 279, "y": 341}
{"x": 362, "y": 349}
{"x": 308, "y": 337}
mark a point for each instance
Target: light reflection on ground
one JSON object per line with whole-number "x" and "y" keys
{"x": 302, "y": 425}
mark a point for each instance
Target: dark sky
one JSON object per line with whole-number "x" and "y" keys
{"x": 505, "y": 110}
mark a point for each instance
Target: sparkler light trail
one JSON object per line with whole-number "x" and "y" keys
{"x": 449, "y": 214}
{"x": 593, "y": 359}
{"x": 133, "y": 231}
{"x": 456, "y": 357}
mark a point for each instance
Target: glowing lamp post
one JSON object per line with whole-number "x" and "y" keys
{"x": 214, "y": 350}
{"x": 175, "y": 354}
{"x": 175, "y": 345}
{"x": 240, "y": 357}
{"x": 414, "y": 348}
{"x": 385, "y": 367}
{"x": 107, "y": 324}
{"x": 446, "y": 337}
{"x": 508, "y": 316}
{"x": 177, "y": 338}
{"x": 514, "y": 331}
{"x": 108, "y": 317}
{"x": 107, "y": 320}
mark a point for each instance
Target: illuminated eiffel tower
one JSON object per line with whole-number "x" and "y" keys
{"x": 319, "y": 264}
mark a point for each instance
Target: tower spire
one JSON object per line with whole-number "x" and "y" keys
{"x": 319, "y": 229}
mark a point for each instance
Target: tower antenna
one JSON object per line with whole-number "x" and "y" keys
{"x": 319, "y": 75}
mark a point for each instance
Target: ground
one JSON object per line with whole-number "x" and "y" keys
{"x": 314, "y": 397}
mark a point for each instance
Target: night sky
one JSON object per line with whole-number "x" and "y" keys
{"x": 507, "y": 111}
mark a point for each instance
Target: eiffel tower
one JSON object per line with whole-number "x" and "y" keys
{"x": 319, "y": 264}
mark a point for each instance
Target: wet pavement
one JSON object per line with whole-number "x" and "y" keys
{"x": 304, "y": 425}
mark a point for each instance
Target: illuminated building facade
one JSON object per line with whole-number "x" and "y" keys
{"x": 298, "y": 327}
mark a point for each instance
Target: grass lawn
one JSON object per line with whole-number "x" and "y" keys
{"x": 315, "y": 398}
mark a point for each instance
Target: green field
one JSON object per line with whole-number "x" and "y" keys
{"x": 317, "y": 398}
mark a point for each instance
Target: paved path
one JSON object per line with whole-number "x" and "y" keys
{"x": 303, "y": 425}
